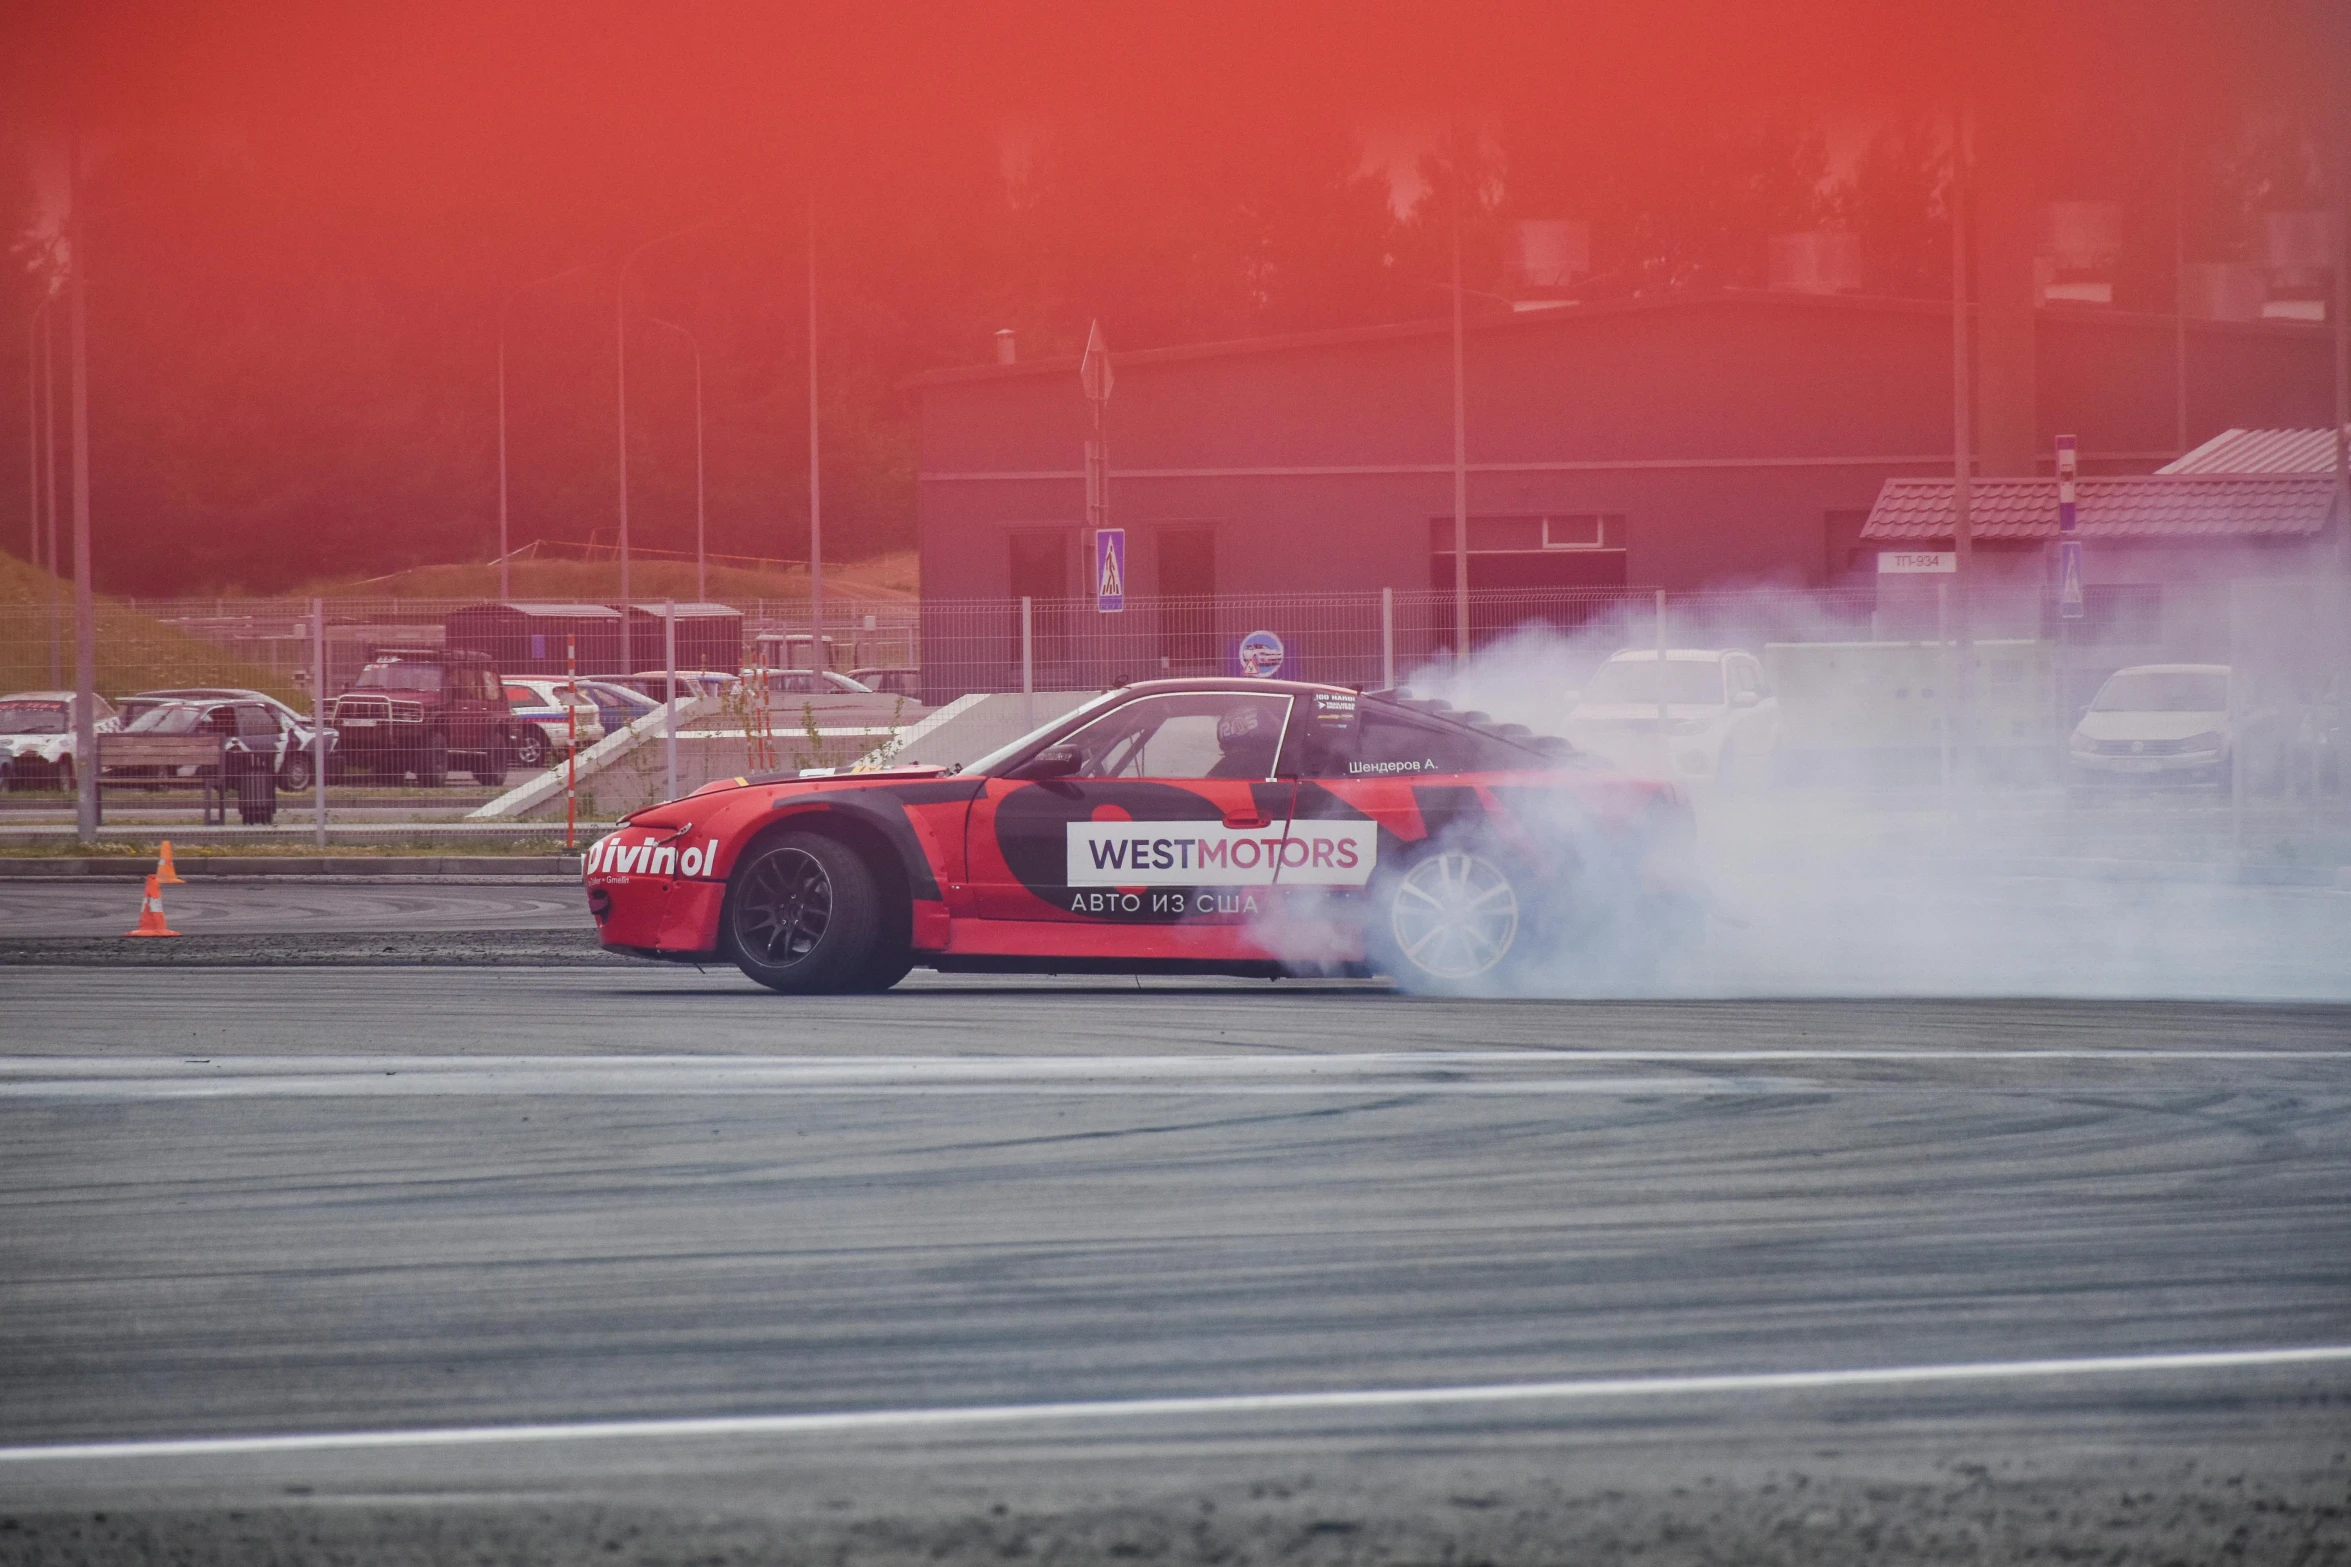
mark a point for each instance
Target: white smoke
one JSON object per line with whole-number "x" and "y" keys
{"x": 1836, "y": 879}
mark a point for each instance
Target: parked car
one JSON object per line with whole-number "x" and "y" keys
{"x": 37, "y": 738}
{"x": 691, "y": 683}
{"x": 130, "y": 707}
{"x": 296, "y": 755}
{"x": 255, "y": 727}
{"x": 890, "y": 682}
{"x": 566, "y": 715}
{"x": 2156, "y": 723}
{"x": 1722, "y": 720}
{"x": 616, "y": 705}
{"x": 812, "y": 682}
{"x": 426, "y": 710}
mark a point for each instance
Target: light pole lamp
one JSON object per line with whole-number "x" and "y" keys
{"x": 505, "y": 548}
{"x": 701, "y": 568}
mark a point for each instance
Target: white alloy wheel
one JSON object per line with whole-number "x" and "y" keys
{"x": 1453, "y": 916}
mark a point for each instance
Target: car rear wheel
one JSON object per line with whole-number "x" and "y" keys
{"x": 804, "y": 916}
{"x": 530, "y": 749}
{"x": 1450, "y": 920}
{"x": 488, "y": 769}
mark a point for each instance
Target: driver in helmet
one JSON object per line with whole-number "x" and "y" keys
{"x": 1248, "y": 735}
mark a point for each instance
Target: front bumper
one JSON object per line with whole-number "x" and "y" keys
{"x": 2186, "y": 764}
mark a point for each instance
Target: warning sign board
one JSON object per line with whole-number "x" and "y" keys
{"x": 1110, "y": 570}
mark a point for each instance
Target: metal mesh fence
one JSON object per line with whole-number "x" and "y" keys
{"x": 1876, "y": 667}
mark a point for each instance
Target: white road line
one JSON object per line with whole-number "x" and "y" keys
{"x": 1453, "y": 1072}
{"x": 1244, "y": 1404}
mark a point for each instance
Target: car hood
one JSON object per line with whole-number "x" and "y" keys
{"x": 2149, "y": 726}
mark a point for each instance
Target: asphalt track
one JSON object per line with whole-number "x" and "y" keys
{"x": 553, "y": 1264}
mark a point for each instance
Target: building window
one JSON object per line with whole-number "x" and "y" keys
{"x": 1576, "y": 531}
{"x": 1543, "y": 551}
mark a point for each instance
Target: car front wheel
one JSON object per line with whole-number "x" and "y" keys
{"x": 295, "y": 775}
{"x": 1451, "y": 920}
{"x": 804, "y": 916}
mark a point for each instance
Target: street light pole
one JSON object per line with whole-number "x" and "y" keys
{"x": 1460, "y": 438}
{"x": 815, "y": 509}
{"x": 505, "y": 547}
{"x": 701, "y": 567}
{"x": 85, "y": 627}
{"x": 620, "y": 337}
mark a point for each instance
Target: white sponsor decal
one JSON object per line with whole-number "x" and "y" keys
{"x": 608, "y": 856}
{"x": 1210, "y": 854}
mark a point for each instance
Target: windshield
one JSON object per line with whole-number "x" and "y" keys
{"x": 990, "y": 763}
{"x": 174, "y": 719}
{"x": 399, "y": 677}
{"x": 1635, "y": 680}
{"x": 32, "y": 718}
{"x": 2163, "y": 691}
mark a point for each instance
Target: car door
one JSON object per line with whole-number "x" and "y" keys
{"x": 1170, "y": 812}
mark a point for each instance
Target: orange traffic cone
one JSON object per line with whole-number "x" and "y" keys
{"x": 165, "y": 874}
{"x": 151, "y": 913}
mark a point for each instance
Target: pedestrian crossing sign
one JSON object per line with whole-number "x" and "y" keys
{"x": 2069, "y": 579}
{"x": 1110, "y": 570}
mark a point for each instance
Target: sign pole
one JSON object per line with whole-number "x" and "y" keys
{"x": 2069, "y": 572}
{"x": 318, "y": 722}
{"x": 571, "y": 750}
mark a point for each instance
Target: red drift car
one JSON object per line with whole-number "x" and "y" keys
{"x": 1257, "y": 827}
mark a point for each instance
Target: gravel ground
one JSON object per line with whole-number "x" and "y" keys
{"x": 2121, "y": 1517}
{"x": 377, "y": 950}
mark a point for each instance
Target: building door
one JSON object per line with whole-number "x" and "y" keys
{"x": 1187, "y": 609}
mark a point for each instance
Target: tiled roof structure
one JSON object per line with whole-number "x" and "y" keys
{"x": 2143, "y": 506}
{"x": 2260, "y": 451}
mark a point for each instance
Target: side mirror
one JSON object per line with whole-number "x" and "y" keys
{"x": 1055, "y": 761}
{"x": 1746, "y": 699}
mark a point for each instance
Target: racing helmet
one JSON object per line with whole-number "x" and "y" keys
{"x": 1248, "y": 737}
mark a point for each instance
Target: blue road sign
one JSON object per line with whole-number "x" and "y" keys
{"x": 1110, "y": 570}
{"x": 2069, "y": 578}
{"x": 1260, "y": 654}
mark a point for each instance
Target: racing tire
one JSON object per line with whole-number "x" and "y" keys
{"x": 803, "y": 915}
{"x": 529, "y": 750}
{"x": 1453, "y": 920}
{"x": 432, "y": 763}
{"x": 65, "y": 780}
{"x": 489, "y": 769}
{"x": 295, "y": 776}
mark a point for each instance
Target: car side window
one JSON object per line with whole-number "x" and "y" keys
{"x": 1191, "y": 734}
{"x": 221, "y": 721}
{"x": 522, "y": 696}
{"x": 256, "y": 723}
{"x": 1392, "y": 741}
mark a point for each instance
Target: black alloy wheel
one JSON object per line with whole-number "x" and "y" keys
{"x": 803, "y": 916}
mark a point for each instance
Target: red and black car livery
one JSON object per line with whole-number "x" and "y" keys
{"x": 1236, "y": 826}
